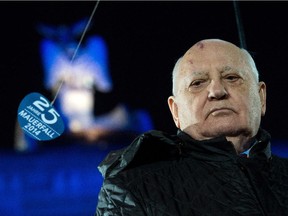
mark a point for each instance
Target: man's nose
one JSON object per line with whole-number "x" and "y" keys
{"x": 217, "y": 91}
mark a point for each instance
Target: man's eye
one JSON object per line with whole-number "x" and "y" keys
{"x": 197, "y": 83}
{"x": 232, "y": 78}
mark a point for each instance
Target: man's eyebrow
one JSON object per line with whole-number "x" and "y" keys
{"x": 194, "y": 75}
{"x": 228, "y": 68}
{"x": 225, "y": 68}
{"x": 199, "y": 73}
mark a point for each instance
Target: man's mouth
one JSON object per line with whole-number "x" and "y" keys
{"x": 223, "y": 111}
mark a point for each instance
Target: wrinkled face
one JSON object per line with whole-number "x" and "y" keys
{"x": 216, "y": 92}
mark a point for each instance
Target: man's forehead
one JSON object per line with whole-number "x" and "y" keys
{"x": 204, "y": 53}
{"x": 205, "y": 72}
{"x": 202, "y": 66}
{"x": 212, "y": 45}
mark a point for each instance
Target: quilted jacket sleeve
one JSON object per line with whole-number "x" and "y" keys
{"x": 115, "y": 200}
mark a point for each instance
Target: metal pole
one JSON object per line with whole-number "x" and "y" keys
{"x": 240, "y": 27}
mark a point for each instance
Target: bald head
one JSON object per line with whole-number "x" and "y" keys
{"x": 213, "y": 48}
{"x": 217, "y": 93}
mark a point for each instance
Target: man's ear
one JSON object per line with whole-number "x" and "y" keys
{"x": 174, "y": 110}
{"x": 262, "y": 94}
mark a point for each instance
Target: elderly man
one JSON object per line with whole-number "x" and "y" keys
{"x": 219, "y": 162}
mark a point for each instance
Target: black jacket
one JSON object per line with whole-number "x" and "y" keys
{"x": 175, "y": 175}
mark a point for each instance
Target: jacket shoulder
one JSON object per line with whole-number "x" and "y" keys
{"x": 149, "y": 147}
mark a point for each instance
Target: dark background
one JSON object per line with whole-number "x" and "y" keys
{"x": 145, "y": 39}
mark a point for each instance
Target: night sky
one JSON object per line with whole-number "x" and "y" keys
{"x": 145, "y": 39}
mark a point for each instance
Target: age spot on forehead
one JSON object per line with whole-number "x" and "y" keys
{"x": 200, "y": 45}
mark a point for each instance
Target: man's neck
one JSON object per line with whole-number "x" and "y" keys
{"x": 241, "y": 143}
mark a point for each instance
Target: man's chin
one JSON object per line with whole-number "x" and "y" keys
{"x": 213, "y": 130}
{"x": 223, "y": 131}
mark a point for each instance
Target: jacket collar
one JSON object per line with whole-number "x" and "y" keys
{"x": 218, "y": 149}
{"x": 154, "y": 146}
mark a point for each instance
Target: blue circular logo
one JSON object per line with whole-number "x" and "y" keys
{"x": 38, "y": 118}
